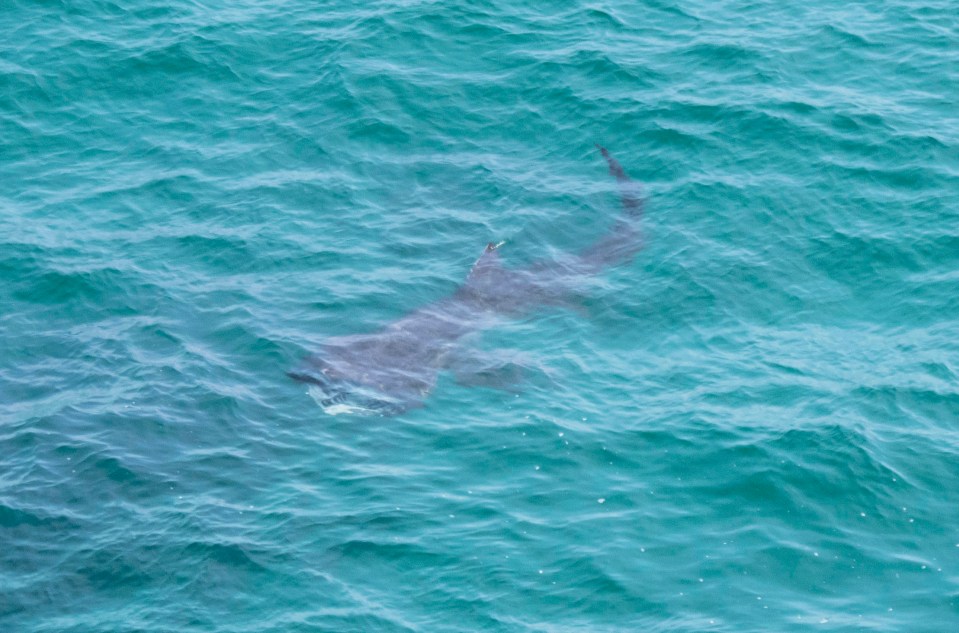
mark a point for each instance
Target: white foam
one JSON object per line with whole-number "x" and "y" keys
{"x": 338, "y": 409}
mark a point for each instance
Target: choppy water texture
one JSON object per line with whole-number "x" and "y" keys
{"x": 754, "y": 426}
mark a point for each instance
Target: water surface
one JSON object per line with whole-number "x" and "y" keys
{"x": 753, "y": 426}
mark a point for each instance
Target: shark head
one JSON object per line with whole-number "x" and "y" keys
{"x": 337, "y": 394}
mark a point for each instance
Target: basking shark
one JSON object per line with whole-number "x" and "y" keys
{"x": 394, "y": 369}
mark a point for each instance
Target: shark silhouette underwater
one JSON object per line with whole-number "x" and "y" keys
{"x": 393, "y": 369}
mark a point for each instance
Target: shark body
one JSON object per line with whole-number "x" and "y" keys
{"x": 394, "y": 369}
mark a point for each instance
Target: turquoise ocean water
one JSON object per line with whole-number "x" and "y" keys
{"x": 752, "y": 426}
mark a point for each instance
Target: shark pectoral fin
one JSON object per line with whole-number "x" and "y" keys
{"x": 493, "y": 369}
{"x": 507, "y": 377}
{"x": 577, "y": 305}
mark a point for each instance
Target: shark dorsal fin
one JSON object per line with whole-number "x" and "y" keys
{"x": 489, "y": 261}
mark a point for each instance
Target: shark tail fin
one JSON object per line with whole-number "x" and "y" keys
{"x": 624, "y": 239}
{"x": 630, "y": 192}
